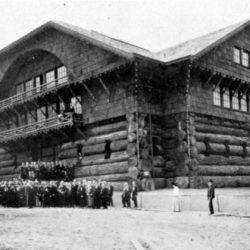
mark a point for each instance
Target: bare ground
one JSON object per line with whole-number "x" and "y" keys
{"x": 118, "y": 228}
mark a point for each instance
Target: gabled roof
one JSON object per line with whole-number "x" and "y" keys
{"x": 187, "y": 50}
{"x": 195, "y": 47}
{"x": 114, "y": 45}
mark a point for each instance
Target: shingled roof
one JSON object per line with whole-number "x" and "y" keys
{"x": 190, "y": 49}
{"x": 111, "y": 44}
{"x": 195, "y": 47}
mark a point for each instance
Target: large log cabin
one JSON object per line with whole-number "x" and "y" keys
{"x": 180, "y": 114}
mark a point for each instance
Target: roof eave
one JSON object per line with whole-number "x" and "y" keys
{"x": 59, "y": 27}
{"x": 158, "y": 60}
{"x": 221, "y": 40}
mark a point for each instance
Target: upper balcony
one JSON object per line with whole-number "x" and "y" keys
{"x": 44, "y": 126}
{"x": 33, "y": 93}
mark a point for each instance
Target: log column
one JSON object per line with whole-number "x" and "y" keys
{"x": 132, "y": 147}
{"x": 147, "y": 150}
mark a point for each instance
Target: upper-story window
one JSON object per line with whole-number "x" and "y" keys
{"x": 241, "y": 56}
{"x": 245, "y": 58}
{"x": 38, "y": 83}
{"x": 74, "y": 104}
{"x": 61, "y": 74}
{"x": 52, "y": 110}
{"x": 50, "y": 79}
{"x": 235, "y": 101}
{"x": 217, "y": 96}
{"x": 243, "y": 102}
{"x": 41, "y": 114}
{"x": 29, "y": 87}
{"x": 226, "y": 98}
{"x": 237, "y": 55}
{"x": 43, "y": 81}
{"x": 31, "y": 116}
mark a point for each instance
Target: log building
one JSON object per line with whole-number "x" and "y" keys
{"x": 118, "y": 111}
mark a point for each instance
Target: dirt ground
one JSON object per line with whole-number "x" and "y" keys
{"x": 120, "y": 228}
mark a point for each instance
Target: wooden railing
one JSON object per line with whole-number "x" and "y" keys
{"x": 33, "y": 93}
{"x": 55, "y": 122}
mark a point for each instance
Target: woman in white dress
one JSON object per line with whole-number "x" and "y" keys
{"x": 176, "y": 198}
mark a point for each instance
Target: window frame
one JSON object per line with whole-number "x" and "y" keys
{"x": 223, "y": 94}
{"x": 50, "y": 84}
{"x": 240, "y": 55}
{"x": 218, "y": 93}
{"x": 243, "y": 51}
{"x": 61, "y": 76}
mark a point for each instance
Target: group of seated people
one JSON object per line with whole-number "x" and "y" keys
{"x": 28, "y": 193}
{"x": 41, "y": 170}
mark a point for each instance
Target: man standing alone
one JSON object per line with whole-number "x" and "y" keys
{"x": 210, "y": 196}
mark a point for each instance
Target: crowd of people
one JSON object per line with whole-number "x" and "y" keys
{"x": 52, "y": 184}
{"x": 28, "y": 193}
{"x": 41, "y": 170}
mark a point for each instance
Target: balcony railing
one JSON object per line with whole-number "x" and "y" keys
{"x": 33, "y": 93}
{"x": 56, "y": 122}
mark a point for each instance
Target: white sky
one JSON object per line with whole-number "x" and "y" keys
{"x": 152, "y": 24}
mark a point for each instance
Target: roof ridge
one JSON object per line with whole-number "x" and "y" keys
{"x": 205, "y": 34}
{"x": 118, "y": 40}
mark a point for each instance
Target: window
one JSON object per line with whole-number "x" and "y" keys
{"x": 245, "y": 58}
{"x": 41, "y": 114}
{"x": 38, "y": 83}
{"x": 29, "y": 87}
{"x": 235, "y": 101}
{"x": 243, "y": 103}
{"x": 50, "y": 79}
{"x": 52, "y": 110}
{"x": 216, "y": 96}
{"x": 61, "y": 74}
{"x": 237, "y": 55}
{"x": 226, "y": 99}
{"x": 76, "y": 105}
{"x": 23, "y": 120}
{"x": 31, "y": 116}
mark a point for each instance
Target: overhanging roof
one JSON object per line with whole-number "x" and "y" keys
{"x": 198, "y": 46}
{"x": 188, "y": 50}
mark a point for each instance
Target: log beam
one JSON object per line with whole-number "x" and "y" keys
{"x": 104, "y": 86}
{"x": 88, "y": 91}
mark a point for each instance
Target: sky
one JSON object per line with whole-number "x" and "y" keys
{"x": 151, "y": 24}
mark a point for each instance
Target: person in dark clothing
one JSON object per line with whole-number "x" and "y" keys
{"x": 23, "y": 171}
{"x": 134, "y": 193}
{"x": 46, "y": 196}
{"x": 74, "y": 196}
{"x": 31, "y": 195}
{"x": 97, "y": 196}
{"x": 1, "y": 194}
{"x": 82, "y": 195}
{"x": 210, "y": 196}
{"x": 126, "y": 195}
{"x": 104, "y": 195}
{"x": 62, "y": 194}
{"x": 110, "y": 195}
{"x": 53, "y": 197}
{"x": 40, "y": 195}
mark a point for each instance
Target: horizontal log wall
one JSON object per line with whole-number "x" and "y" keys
{"x": 91, "y": 157}
{"x": 176, "y": 145}
{"x": 8, "y": 166}
{"x": 223, "y": 148}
